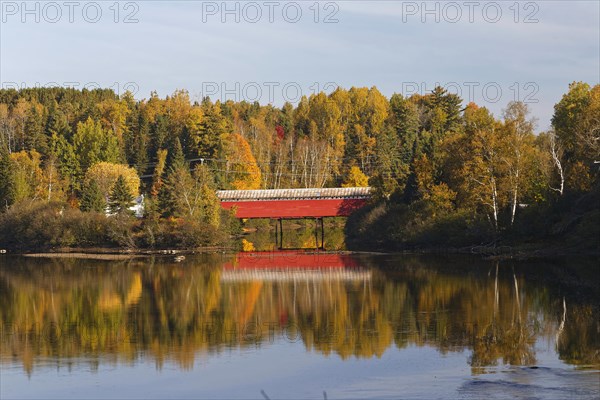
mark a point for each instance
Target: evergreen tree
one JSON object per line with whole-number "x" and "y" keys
{"x": 159, "y": 133}
{"x": 211, "y": 131}
{"x": 447, "y": 104}
{"x": 60, "y": 148}
{"x": 92, "y": 198}
{"x": 57, "y": 124}
{"x": 391, "y": 173}
{"x": 136, "y": 140}
{"x": 34, "y": 129}
{"x": 175, "y": 157}
{"x": 120, "y": 198}
{"x": 177, "y": 169}
{"x": 404, "y": 118}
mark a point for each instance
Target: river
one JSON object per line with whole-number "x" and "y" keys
{"x": 299, "y": 325}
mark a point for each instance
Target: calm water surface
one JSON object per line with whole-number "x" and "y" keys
{"x": 299, "y": 325}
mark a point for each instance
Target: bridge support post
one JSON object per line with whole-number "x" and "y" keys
{"x": 316, "y": 233}
{"x": 276, "y": 236}
{"x": 280, "y": 233}
{"x": 322, "y": 233}
{"x": 320, "y": 246}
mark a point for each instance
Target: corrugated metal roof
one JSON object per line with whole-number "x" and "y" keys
{"x": 288, "y": 194}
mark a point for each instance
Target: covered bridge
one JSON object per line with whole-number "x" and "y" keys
{"x": 295, "y": 203}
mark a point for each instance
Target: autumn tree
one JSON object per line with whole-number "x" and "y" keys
{"x": 261, "y": 136}
{"x": 430, "y": 190}
{"x": 480, "y": 177}
{"x": 192, "y": 195}
{"x": 113, "y": 117}
{"x": 105, "y": 175}
{"x": 365, "y": 114}
{"x": 27, "y": 175}
{"x": 54, "y": 186}
{"x": 159, "y": 170}
{"x": 552, "y": 155}
{"x": 576, "y": 121}
{"x": 325, "y": 127}
{"x": 192, "y": 132}
{"x": 94, "y": 144}
{"x": 519, "y": 154}
{"x": 242, "y": 170}
{"x": 355, "y": 178}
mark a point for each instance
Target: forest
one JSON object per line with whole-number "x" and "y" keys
{"x": 443, "y": 173}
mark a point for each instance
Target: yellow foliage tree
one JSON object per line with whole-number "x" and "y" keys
{"x": 440, "y": 196}
{"x": 356, "y": 178}
{"x": 105, "y": 175}
{"x": 157, "y": 177}
{"x": 53, "y": 185}
{"x": 114, "y": 116}
{"x": 242, "y": 166}
{"x": 27, "y": 175}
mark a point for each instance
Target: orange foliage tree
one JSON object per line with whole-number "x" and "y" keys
{"x": 241, "y": 164}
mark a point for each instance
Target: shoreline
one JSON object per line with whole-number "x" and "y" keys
{"x": 500, "y": 253}
{"x": 112, "y": 253}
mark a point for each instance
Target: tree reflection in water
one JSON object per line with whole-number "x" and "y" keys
{"x": 120, "y": 311}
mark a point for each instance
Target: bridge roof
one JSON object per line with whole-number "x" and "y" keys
{"x": 292, "y": 194}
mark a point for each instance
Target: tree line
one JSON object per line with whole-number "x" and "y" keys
{"x": 430, "y": 152}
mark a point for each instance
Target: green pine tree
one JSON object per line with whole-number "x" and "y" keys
{"x": 159, "y": 133}
{"x": 34, "y": 129}
{"x": 92, "y": 198}
{"x": 120, "y": 198}
{"x": 175, "y": 156}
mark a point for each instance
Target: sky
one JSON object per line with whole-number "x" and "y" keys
{"x": 489, "y": 52}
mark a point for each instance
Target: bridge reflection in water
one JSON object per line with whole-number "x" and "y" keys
{"x": 293, "y": 266}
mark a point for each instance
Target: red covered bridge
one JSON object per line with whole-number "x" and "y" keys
{"x": 295, "y": 203}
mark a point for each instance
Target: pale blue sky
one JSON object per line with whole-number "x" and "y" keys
{"x": 175, "y": 45}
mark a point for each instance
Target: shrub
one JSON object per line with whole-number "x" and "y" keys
{"x": 178, "y": 233}
{"x": 32, "y": 225}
